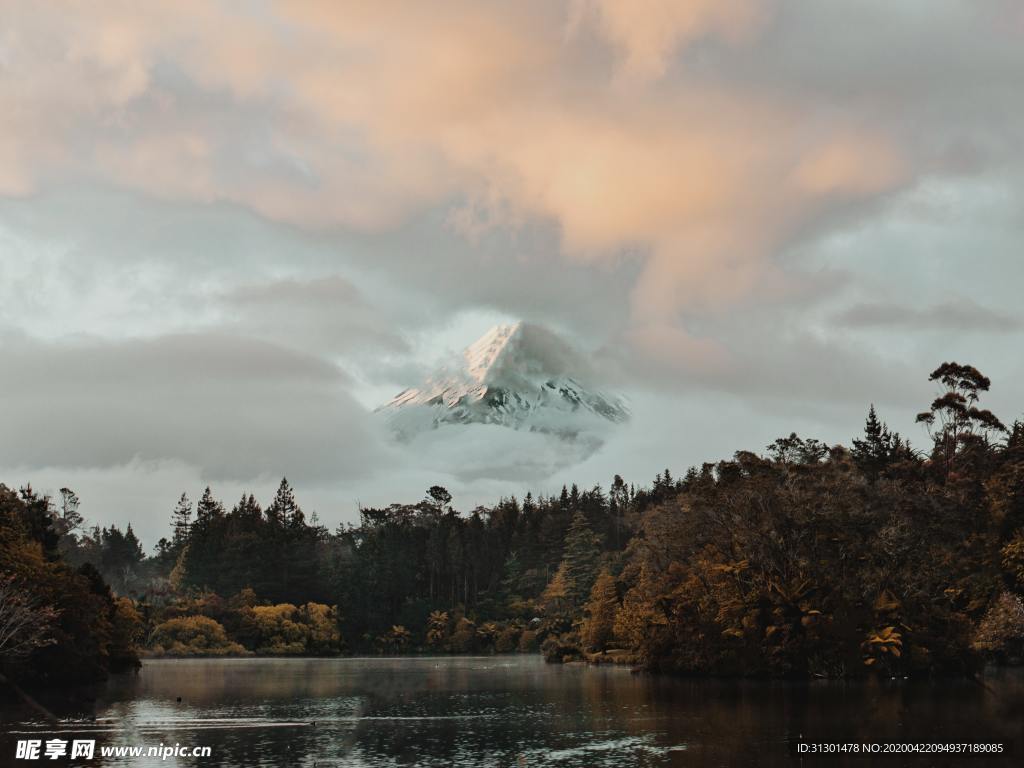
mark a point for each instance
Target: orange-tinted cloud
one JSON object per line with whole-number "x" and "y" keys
{"x": 330, "y": 114}
{"x": 647, "y": 32}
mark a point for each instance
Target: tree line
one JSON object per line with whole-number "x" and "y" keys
{"x": 802, "y": 560}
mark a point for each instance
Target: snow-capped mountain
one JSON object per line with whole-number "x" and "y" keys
{"x": 520, "y": 376}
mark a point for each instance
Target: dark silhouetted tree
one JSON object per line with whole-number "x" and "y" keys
{"x": 954, "y": 421}
{"x": 181, "y": 521}
{"x": 582, "y": 557}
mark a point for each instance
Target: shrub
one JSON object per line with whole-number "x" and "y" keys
{"x": 194, "y": 636}
{"x": 395, "y": 640}
{"x": 322, "y": 624}
{"x": 278, "y": 631}
{"x": 506, "y": 640}
{"x": 463, "y": 639}
{"x": 560, "y": 648}
{"x": 128, "y": 629}
{"x": 487, "y": 634}
{"x": 528, "y": 641}
{"x": 437, "y": 629}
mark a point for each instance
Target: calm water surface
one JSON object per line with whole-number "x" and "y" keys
{"x": 513, "y": 711}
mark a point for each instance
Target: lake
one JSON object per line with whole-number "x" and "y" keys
{"x": 513, "y": 711}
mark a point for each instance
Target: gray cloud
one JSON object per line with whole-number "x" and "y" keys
{"x": 771, "y": 363}
{"x": 235, "y": 407}
{"x": 323, "y": 315}
{"x": 962, "y": 315}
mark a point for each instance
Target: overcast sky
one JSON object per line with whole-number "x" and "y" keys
{"x": 229, "y": 230}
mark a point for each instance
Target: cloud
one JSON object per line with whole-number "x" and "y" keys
{"x": 489, "y": 452}
{"x": 963, "y": 315}
{"x": 770, "y": 364}
{"x": 107, "y": 263}
{"x": 326, "y": 314}
{"x": 235, "y": 407}
{"x": 362, "y": 115}
{"x": 647, "y": 32}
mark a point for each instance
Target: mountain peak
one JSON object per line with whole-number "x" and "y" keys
{"x": 518, "y": 375}
{"x": 483, "y": 353}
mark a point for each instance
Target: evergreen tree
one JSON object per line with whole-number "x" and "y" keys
{"x": 283, "y": 510}
{"x": 181, "y": 519}
{"x": 133, "y": 546}
{"x": 247, "y": 509}
{"x": 878, "y": 449}
{"x": 208, "y": 508}
{"x": 120, "y": 556}
{"x": 163, "y": 549}
{"x": 528, "y": 505}
{"x": 618, "y": 506}
{"x": 574, "y": 497}
{"x": 582, "y": 555}
{"x": 511, "y": 579}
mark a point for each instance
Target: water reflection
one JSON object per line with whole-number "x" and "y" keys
{"x": 512, "y": 711}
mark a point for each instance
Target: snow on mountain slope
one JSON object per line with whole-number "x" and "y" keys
{"x": 520, "y": 376}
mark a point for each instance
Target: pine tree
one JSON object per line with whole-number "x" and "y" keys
{"x": 618, "y": 506}
{"x": 582, "y": 554}
{"x": 120, "y": 555}
{"x": 869, "y": 453}
{"x": 133, "y": 547}
{"x": 510, "y": 586}
{"x": 599, "y": 623}
{"x": 1015, "y": 441}
{"x": 163, "y": 549}
{"x": 208, "y": 508}
{"x": 247, "y": 508}
{"x": 181, "y": 519}
{"x": 879, "y": 448}
{"x": 283, "y": 510}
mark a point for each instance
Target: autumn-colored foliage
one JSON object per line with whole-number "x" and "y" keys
{"x": 193, "y": 636}
{"x": 598, "y": 628}
{"x": 62, "y": 624}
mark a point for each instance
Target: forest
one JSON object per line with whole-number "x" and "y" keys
{"x": 801, "y": 560}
